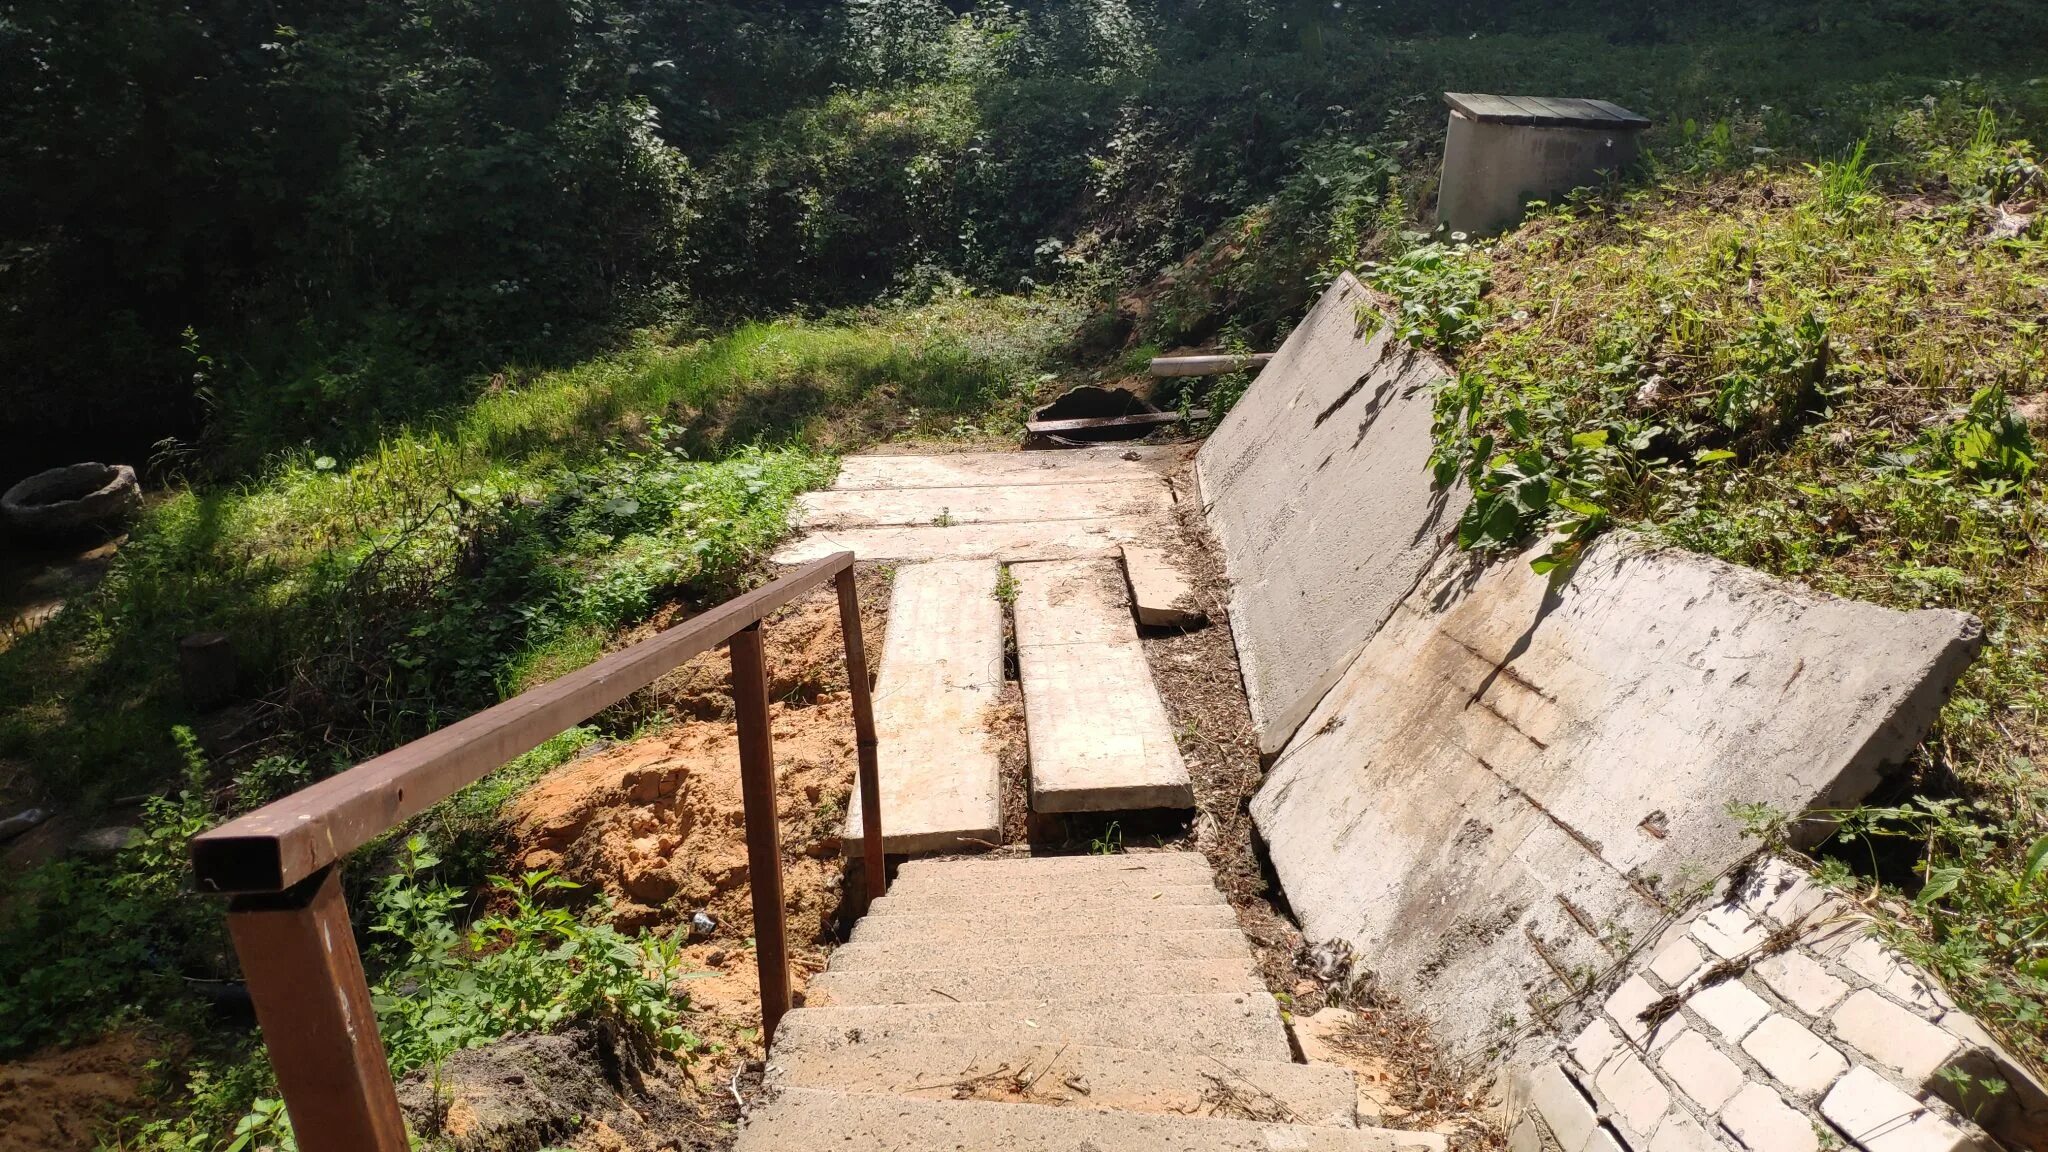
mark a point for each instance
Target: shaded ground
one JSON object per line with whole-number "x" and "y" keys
{"x": 57, "y": 1102}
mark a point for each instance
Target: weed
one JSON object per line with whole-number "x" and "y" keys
{"x": 1006, "y": 587}
{"x": 1110, "y": 842}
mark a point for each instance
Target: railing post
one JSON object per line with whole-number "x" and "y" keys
{"x": 299, "y": 958}
{"x": 764, "y": 834}
{"x": 873, "y": 864}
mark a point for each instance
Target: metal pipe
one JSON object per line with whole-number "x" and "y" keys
{"x": 299, "y": 958}
{"x": 764, "y": 832}
{"x": 873, "y": 863}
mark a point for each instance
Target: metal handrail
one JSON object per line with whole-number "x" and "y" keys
{"x": 281, "y": 863}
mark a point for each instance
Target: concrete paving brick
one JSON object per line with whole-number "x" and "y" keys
{"x": 1636, "y": 1095}
{"x": 1765, "y": 1123}
{"x": 1730, "y": 1007}
{"x": 1682, "y": 1133}
{"x": 1791, "y": 1052}
{"x": 1565, "y": 1110}
{"x": 1728, "y": 931}
{"x": 1678, "y": 962}
{"x": 1604, "y": 1140}
{"x": 1893, "y": 1036}
{"x": 1697, "y": 1066}
{"x": 1885, "y": 968}
{"x": 1626, "y": 1003}
{"x": 1802, "y": 982}
{"x": 1594, "y": 1046}
{"x": 1783, "y": 894}
{"x": 1526, "y": 1136}
{"x": 1881, "y": 1118}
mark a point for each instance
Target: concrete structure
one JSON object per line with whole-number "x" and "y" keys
{"x": 1160, "y": 594}
{"x": 1317, "y": 485}
{"x": 1099, "y": 737}
{"x": 1810, "y": 1027}
{"x": 1518, "y": 777}
{"x": 990, "y": 506}
{"x": 1503, "y": 151}
{"x": 1103, "y": 1046}
{"x": 942, "y": 666}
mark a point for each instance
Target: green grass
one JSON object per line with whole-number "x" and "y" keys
{"x": 1810, "y": 370}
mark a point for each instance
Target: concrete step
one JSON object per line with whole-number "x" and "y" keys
{"x": 1228, "y": 1026}
{"x": 1074, "y": 1076}
{"x": 809, "y": 1119}
{"x": 1215, "y": 944}
{"x": 984, "y": 504}
{"x": 1088, "y": 976}
{"x": 1099, "y": 736}
{"x": 1007, "y": 469}
{"x": 1013, "y": 866}
{"x": 921, "y": 884}
{"x": 1010, "y": 924}
{"x": 1054, "y": 540}
{"x": 942, "y": 668}
{"x": 1049, "y": 904}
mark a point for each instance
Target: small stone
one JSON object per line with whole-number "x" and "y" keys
{"x": 1802, "y": 982}
{"x": 1565, "y": 1110}
{"x": 1637, "y": 1096}
{"x": 1677, "y": 963}
{"x": 1765, "y": 1123}
{"x": 1893, "y": 1036}
{"x": 715, "y": 958}
{"x": 105, "y": 841}
{"x": 1701, "y": 1071}
{"x": 1728, "y": 931}
{"x": 1594, "y": 1046}
{"x": 1625, "y": 1007}
{"x": 1881, "y": 1118}
{"x": 1791, "y": 1052}
{"x": 1730, "y": 1007}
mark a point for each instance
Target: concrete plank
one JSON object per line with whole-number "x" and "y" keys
{"x": 1053, "y": 540}
{"x": 1029, "y": 503}
{"x": 1009, "y": 469}
{"x": 1075, "y": 884}
{"x": 1098, "y": 733}
{"x": 929, "y": 985}
{"x": 1012, "y": 865}
{"x": 1048, "y": 903}
{"x": 1075, "y": 1076}
{"x": 1232, "y": 1025}
{"x": 942, "y": 667}
{"x": 1317, "y": 485}
{"x": 1160, "y": 592}
{"x": 1510, "y": 761}
{"x": 809, "y": 1119}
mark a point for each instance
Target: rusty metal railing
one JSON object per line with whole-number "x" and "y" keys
{"x": 281, "y": 863}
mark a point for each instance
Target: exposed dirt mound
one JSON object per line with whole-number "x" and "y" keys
{"x": 805, "y": 653}
{"x": 56, "y": 1102}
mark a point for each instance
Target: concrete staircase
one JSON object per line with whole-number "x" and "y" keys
{"x": 1051, "y": 1004}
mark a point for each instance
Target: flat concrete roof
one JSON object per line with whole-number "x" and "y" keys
{"x": 1544, "y": 111}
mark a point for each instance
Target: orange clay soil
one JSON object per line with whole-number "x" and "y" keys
{"x": 56, "y": 1102}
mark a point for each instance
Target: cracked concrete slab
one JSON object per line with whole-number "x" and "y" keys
{"x": 1515, "y": 779}
{"x": 1318, "y": 487}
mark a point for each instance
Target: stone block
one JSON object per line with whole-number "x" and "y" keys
{"x": 1697, "y": 1066}
{"x": 1893, "y": 1036}
{"x": 1782, "y": 893}
{"x": 1678, "y": 962}
{"x": 1636, "y": 1095}
{"x": 1681, "y": 1133}
{"x": 1881, "y": 1118}
{"x": 1765, "y": 1123}
{"x": 1594, "y": 1045}
{"x": 1802, "y": 982}
{"x": 1564, "y": 1109}
{"x": 1160, "y": 592}
{"x": 1791, "y": 1052}
{"x": 1869, "y": 958}
{"x": 1728, "y": 931}
{"x": 1730, "y": 1007}
{"x": 1625, "y": 1006}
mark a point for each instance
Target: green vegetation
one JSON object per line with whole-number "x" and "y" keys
{"x": 468, "y": 336}
{"x": 1810, "y": 371}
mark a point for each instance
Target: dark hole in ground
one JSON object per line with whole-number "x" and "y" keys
{"x": 1090, "y": 402}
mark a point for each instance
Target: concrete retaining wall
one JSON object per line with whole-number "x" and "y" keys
{"x": 1515, "y": 781}
{"x": 1317, "y": 485}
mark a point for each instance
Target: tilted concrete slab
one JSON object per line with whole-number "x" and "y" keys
{"x": 986, "y": 504}
{"x": 1040, "y": 540}
{"x": 942, "y": 667}
{"x": 808, "y": 1119}
{"x": 1317, "y": 485}
{"x": 1514, "y": 779}
{"x": 1075, "y": 1076}
{"x": 1235, "y": 1025}
{"x": 1160, "y": 592}
{"x": 1009, "y": 469}
{"x": 1098, "y": 733}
